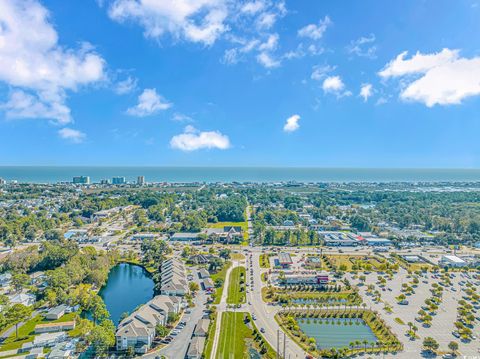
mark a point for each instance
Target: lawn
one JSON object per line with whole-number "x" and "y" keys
{"x": 26, "y": 331}
{"x": 221, "y": 274}
{"x": 334, "y": 298}
{"x": 233, "y": 335}
{"x": 237, "y": 257}
{"x": 264, "y": 260}
{"x": 243, "y": 224}
{"x": 236, "y": 286}
{"x": 348, "y": 261}
{"x": 236, "y": 337}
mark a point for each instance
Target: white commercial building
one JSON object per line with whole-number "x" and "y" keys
{"x": 452, "y": 261}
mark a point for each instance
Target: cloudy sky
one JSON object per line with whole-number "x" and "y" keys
{"x": 228, "y": 83}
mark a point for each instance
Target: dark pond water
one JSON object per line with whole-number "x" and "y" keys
{"x": 336, "y": 333}
{"x": 128, "y": 286}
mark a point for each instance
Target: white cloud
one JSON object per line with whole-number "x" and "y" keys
{"x": 72, "y": 135}
{"x": 180, "y": 117}
{"x": 313, "y": 31}
{"x": 200, "y": 21}
{"x": 234, "y": 55}
{"x": 333, "y": 84}
{"x": 149, "y": 102}
{"x": 442, "y": 78}
{"x": 253, "y": 7}
{"x": 418, "y": 63}
{"x": 320, "y": 72}
{"x": 363, "y": 47}
{"x": 291, "y": 124}
{"x": 192, "y": 139}
{"x": 38, "y": 69}
{"x": 271, "y": 43}
{"x": 366, "y": 91}
{"x": 126, "y": 86}
{"x": 266, "y": 59}
{"x": 266, "y": 20}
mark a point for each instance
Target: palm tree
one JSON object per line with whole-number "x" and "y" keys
{"x": 365, "y": 342}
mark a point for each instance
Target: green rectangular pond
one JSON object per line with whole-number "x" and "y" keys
{"x": 336, "y": 333}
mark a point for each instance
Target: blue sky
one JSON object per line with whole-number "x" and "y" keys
{"x": 228, "y": 83}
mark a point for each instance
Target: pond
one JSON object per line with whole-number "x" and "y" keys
{"x": 318, "y": 300}
{"x": 336, "y": 332}
{"x": 127, "y": 287}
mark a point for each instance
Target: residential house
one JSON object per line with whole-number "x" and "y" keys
{"x": 201, "y": 329}
{"x": 195, "y": 349}
{"x": 49, "y": 339}
{"x": 54, "y": 327}
{"x": 138, "y": 329}
{"x": 203, "y": 273}
{"x": 173, "y": 278}
{"x": 23, "y": 298}
{"x": 56, "y": 312}
{"x": 208, "y": 284}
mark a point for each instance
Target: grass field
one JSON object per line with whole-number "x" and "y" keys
{"x": 237, "y": 257}
{"x": 233, "y": 335}
{"x": 221, "y": 274}
{"x": 348, "y": 261}
{"x": 26, "y": 331}
{"x": 236, "y": 286}
{"x": 264, "y": 260}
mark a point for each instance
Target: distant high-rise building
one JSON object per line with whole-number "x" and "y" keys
{"x": 141, "y": 180}
{"x": 2, "y": 181}
{"x": 118, "y": 180}
{"x": 104, "y": 181}
{"x": 81, "y": 180}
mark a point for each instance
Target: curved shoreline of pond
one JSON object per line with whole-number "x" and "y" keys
{"x": 128, "y": 286}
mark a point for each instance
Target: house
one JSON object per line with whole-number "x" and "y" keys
{"x": 62, "y": 350}
{"x": 173, "y": 278}
{"x": 54, "y": 327}
{"x": 195, "y": 349}
{"x": 208, "y": 284}
{"x": 56, "y": 312}
{"x": 138, "y": 329}
{"x": 23, "y": 298}
{"x": 5, "y": 279}
{"x": 201, "y": 329}
{"x": 203, "y": 273}
{"x": 199, "y": 259}
{"x": 35, "y": 353}
{"x": 49, "y": 339}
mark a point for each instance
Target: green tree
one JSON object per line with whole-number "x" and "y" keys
{"x": 102, "y": 337}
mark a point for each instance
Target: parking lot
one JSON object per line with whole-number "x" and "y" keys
{"x": 442, "y": 323}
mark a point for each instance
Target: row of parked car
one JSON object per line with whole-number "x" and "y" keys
{"x": 175, "y": 331}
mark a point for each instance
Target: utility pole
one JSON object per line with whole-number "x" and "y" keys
{"x": 284, "y": 344}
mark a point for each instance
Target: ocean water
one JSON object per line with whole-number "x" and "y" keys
{"x": 50, "y": 174}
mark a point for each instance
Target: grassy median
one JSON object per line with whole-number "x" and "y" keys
{"x": 236, "y": 286}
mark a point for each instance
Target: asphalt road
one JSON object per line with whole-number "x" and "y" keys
{"x": 265, "y": 314}
{"x": 178, "y": 347}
